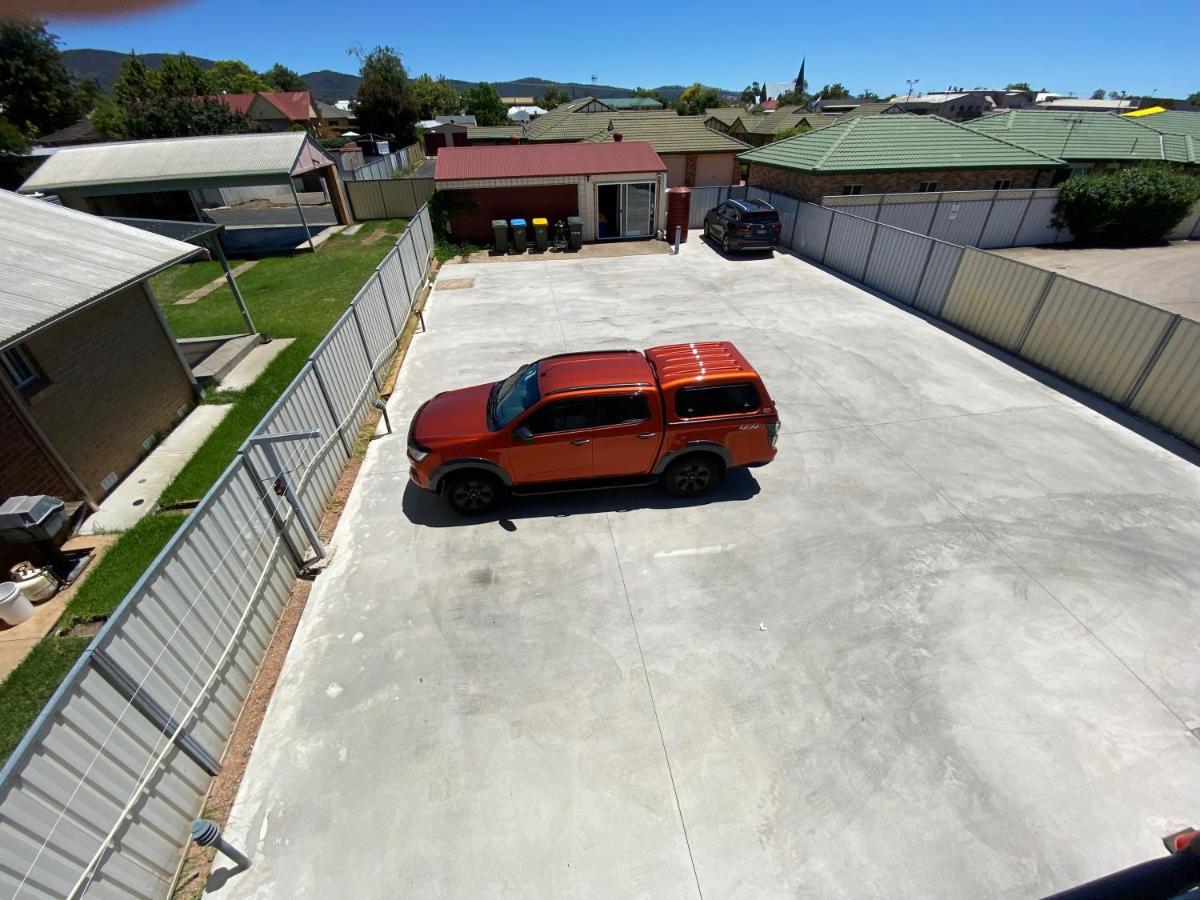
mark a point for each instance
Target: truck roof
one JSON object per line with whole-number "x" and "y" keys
{"x": 678, "y": 364}
{"x": 599, "y": 368}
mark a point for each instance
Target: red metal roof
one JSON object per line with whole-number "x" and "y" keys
{"x": 546, "y": 160}
{"x": 236, "y": 103}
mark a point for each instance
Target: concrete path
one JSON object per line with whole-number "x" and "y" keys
{"x": 215, "y": 284}
{"x": 253, "y": 364}
{"x": 138, "y": 493}
{"x": 944, "y": 646}
{"x": 1167, "y": 276}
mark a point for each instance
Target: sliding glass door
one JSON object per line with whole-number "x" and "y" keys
{"x": 625, "y": 210}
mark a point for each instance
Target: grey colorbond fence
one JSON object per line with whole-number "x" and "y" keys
{"x": 387, "y": 166}
{"x": 984, "y": 219}
{"x": 1138, "y": 356}
{"x": 388, "y": 198}
{"x": 98, "y": 798}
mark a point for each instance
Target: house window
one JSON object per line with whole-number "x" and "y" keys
{"x": 1002, "y": 184}
{"x": 849, "y": 190}
{"x": 928, "y": 187}
{"x": 19, "y": 367}
{"x": 1080, "y": 170}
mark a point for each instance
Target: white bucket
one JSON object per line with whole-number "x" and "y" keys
{"x": 15, "y": 607}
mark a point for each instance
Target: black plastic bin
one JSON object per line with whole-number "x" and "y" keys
{"x": 500, "y": 235}
{"x": 574, "y": 232}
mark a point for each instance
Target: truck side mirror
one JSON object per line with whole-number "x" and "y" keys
{"x": 524, "y": 435}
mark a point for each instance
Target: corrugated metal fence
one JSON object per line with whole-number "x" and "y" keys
{"x": 98, "y": 798}
{"x": 388, "y": 198}
{"x": 387, "y": 166}
{"x": 1136, "y": 355}
{"x": 984, "y": 219}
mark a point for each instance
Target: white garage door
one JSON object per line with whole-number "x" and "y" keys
{"x": 714, "y": 169}
{"x": 676, "y": 168}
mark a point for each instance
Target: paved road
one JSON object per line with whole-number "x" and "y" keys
{"x": 944, "y": 646}
{"x": 1167, "y": 276}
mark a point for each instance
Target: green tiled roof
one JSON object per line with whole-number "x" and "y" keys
{"x": 1170, "y": 121}
{"x": 1073, "y": 135}
{"x": 491, "y": 132}
{"x": 668, "y": 133}
{"x": 871, "y": 108}
{"x": 895, "y": 143}
{"x": 729, "y": 114}
{"x": 781, "y": 121}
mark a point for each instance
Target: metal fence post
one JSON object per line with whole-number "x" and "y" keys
{"x": 1033, "y": 314}
{"x": 387, "y": 306}
{"x": 412, "y": 294}
{"x": 924, "y": 268}
{"x": 1151, "y": 359}
{"x": 337, "y": 422}
{"x": 362, "y": 336}
{"x": 1024, "y": 213}
{"x": 987, "y": 218}
{"x": 828, "y": 232}
{"x": 795, "y": 225}
{"x": 870, "y": 250}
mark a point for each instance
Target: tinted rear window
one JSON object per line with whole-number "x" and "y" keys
{"x": 719, "y": 400}
{"x": 764, "y": 215}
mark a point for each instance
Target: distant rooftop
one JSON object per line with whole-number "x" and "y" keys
{"x": 1082, "y": 135}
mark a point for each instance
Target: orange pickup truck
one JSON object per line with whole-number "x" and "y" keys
{"x": 681, "y": 415}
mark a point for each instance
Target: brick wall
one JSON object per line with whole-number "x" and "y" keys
{"x": 113, "y": 379}
{"x": 25, "y": 466}
{"x": 689, "y": 170}
{"x": 814, "y": 187}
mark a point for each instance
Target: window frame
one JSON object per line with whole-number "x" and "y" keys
{"x": 25, "y": 359}
{"x": 680, "y": 392}
{"x": 852, "y": 190}
{"x": 928, "y": 187}
{"x": 1002, "y": 184}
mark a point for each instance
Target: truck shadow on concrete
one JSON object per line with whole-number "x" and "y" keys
{"x": 430, "y": 510}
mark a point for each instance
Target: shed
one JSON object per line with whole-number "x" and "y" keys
{"x": 92, "y": 375}
{"x": 128, "y": 177}
{"x": 616, "y": 188}
{"x": 436, "y": 135}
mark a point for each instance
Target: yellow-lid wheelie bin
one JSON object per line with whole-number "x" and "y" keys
{"x": 541, "y": 233}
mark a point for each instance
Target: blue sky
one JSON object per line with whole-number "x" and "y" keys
{"x": 1063, "y": 46}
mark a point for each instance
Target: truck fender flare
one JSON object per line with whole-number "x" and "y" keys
{"x": 695, "y": 447}
{"x": 457, "y": 465}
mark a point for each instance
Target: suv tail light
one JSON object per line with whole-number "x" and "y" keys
{"x": 744, "y": 229}
{"x": 773, "y": 432}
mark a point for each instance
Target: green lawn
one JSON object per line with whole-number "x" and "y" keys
{"x": 299, "y": 296}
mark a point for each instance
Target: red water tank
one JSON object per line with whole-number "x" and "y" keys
{"x": 679, "y": 208}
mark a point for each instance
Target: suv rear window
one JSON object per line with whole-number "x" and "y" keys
{"x": 761, "y": 216}
{"x": 719, "y": 400}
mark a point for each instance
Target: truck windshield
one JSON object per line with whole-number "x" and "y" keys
{"x": 513, "y": 396}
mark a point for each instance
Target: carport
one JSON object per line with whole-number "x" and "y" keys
{"x": 137, "y": 178}
{"x": 616, "y": 188}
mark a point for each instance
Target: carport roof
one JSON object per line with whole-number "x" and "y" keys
{"x": 178, "y": 163}
{"x": 545, "y": 160}
{"x": 54, "y": 260}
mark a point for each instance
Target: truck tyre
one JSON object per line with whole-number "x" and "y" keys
{"x": 692, "y": 475}
{"x": 473, "y": 492}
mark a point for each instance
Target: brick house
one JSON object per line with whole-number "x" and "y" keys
{"x": 90, "y": 374}
{"x": 889, "y": 154}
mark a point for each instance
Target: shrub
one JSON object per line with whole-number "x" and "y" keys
{"x": 1126, "y": 206}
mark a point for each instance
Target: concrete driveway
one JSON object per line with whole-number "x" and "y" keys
{"x": 944, "y": 646}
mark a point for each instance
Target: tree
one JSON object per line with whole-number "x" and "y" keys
{"x": 434, "y": 97}
{"x": 168, "y": 102}
{"x": 555, "y": 96}
{"x": 762, "y": 94}
{"x": 834, "y": 91}
{"x": 232, "y": 76}
{"x": 653, "y": 95}
{"x": 37, "y": 93}
{"x": 1019, "y": 86}
{"x": 789, "y": 98}
{"x": 280, "y": 78}
{"x": 1098, "y": 94}
{"x": 484, "y": 104}
{"x": 384, "y": 103}
{"x": 696, "y": 99}
{"x": 1194, "y": 99}
{"x": 1116, "y": 95}
{"x": 867, "y": 94}
{"x": 749, "y": 94}
{"x": 1127, "y": 206}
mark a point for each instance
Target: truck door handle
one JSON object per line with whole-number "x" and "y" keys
{"x": 647, "y": 435}
{"x": 581, "y": 442}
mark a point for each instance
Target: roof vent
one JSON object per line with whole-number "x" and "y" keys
{"x": 617, "y": 136}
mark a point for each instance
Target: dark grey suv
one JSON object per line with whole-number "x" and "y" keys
{"x": 743, "y": 225}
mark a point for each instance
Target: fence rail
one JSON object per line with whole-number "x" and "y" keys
{"x": 1138, "y": 356}
{"x": 98, "y": 797}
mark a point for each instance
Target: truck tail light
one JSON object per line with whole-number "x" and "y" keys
{"x": 773, "y": 432}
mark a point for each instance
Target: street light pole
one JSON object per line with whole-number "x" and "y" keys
{"x": 910, "y": 82}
